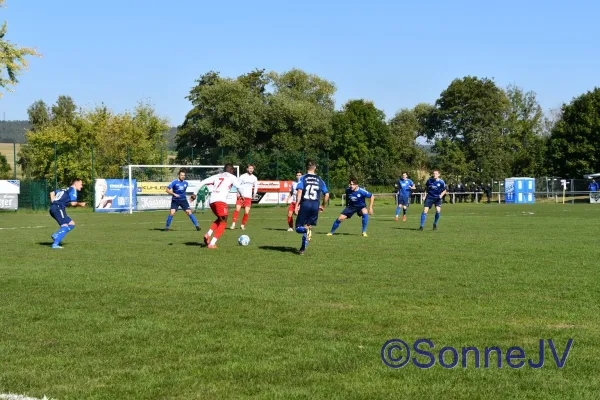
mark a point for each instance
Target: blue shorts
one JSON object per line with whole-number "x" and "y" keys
{"x": 350, "y": 211}
{"x": 60, "y": 215}
{"x": 308, "y": 214}
{"x": 403, "y": 200}
{"x": 430, "y": 201}
{"x": 180, "y": 202}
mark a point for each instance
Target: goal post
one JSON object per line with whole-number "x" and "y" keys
{"x": 158, "y": 176}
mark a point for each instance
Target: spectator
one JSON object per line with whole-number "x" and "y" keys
{"x": 488, "y": 193}
{"x": 593, "y": 186}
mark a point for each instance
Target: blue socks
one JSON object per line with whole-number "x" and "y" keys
{"x": 423, "y": 218}
{"x": 61, "y": 233}
{"x": 365, "y": 222}
{"x": 437, "y": 218}
{"x": 193, "y": 218}
{"x": 303, "y": 230}
{"x": 398, "y": 210}
{"x": 169, "y": 219}
{"x": 336, "y": 224}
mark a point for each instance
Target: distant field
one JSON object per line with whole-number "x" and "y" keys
{"x": 7, "y": 150}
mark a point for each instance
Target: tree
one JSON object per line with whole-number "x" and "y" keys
{"x": 12, "y": 59}
{"x": 137, "y": 137}
{"x": 471, "y": 112}
{"x": 405, "y": 127}
{"x": 525, "y": 125}
{"x": 39, "y": 115}
{"x": 575, "y": 139}
{"x": 363, "y": 146}
{"x": 274, "y": 120}
{"x": 4, "y": 167}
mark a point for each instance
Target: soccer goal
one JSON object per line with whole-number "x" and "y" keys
{"x": 148, "y": 183}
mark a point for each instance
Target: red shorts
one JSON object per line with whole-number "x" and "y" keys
{"x": 220, "y": 209}
{"x": 246, "y": 203}
{"x": 292, "y": 207}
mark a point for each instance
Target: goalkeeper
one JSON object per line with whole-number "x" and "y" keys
{"x": 202, "y": 196}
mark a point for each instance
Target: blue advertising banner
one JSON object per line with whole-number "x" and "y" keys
{"x": 509, "y": 190}
{"x": 112, "y": 195}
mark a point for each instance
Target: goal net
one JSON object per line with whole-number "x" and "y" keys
{"x": 148, "y": 183}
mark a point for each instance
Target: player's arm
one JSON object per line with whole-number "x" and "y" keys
{"x": 372, "y": 200}
{"x": 298, "y": 197}
{"x": 325, "y": 191}
{"x": 52, "y": 196}
{"x": 169, "y": 190}
{"x": 255, "y": 189}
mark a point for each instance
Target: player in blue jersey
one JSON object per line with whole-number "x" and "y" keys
{"x": 355, "y": 196}
{"x": 60, "y": 200}
{"x": 178, "y": 189}
{"x": 405, "y": 186}
{"x": 309, "y": 190}
{"x": 435, "y": 191}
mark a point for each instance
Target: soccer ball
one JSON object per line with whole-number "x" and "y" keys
{"x": 244, "y": 240}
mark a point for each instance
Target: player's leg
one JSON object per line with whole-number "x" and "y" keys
{"x": 236, "y": 213}
{"x": 365, "y": 220}
{"x": 438, "y": 210}
{"x": 66, "y": 226}
{"x": 398, "y": 206}
{"x": 337, "y": 222}
{"x": 405, "y": 204}
{"x": 174, "y": 207}
{"x": 424, "y": 215}
{"x": 302, "y": 227}
{"x": 290, "y": 217}
{"x": 193, "y": 218}
{"x": 222, "y": 216}
{"x": 247, "y": 206}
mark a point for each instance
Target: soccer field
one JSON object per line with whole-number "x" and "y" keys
{"x": 128, "y": 311}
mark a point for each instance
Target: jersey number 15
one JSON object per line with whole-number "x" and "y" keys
{"x": 311, "y": 193}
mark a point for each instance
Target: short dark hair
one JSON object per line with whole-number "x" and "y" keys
{"x": 228, "y": 167}
{"x": 353, "y": 179}
{"x": 299, "y": 172}
{"x": 75, "y": 180}
{"x": 311, "y": 164}
{"x": 181, "y": 170}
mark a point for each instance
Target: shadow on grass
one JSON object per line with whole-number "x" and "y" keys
{"x": 276, "y": 229}
{"x": 158, "y": 229}
{"x": 340, "y": 234}
{"x": 50, "y": 244}
{"x": 198, "y": 244}
{"x": 406, "y": 229}
{"x": 282, "y": 249}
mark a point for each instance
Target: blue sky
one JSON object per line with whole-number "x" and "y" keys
{"x": 394, "y": 53}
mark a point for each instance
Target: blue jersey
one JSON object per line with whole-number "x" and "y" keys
{"x": 404, "y": 186}
{"x": 435, "y": 188}
{"x": 63, "y": 197}
{"x": 356, "y": 199}
{"x": 312, "y": 187}
{"x": 593, "y": 187}
{"x": 179, "y": 188}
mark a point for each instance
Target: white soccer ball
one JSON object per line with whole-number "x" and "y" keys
{"x": 244, "y": 240}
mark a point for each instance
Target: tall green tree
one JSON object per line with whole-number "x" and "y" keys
{"x": 525, "y": 126}
{"x": 363, "y": 145}
{"x": 13, "y": 59}
{"x": 405, "y": 127}
{"x": 574, "y": 144}
{"x": 471, "y": 112}
{"x": 39, "y": 115}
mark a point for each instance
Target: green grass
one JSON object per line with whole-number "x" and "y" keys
{"x": 126, "y": 311}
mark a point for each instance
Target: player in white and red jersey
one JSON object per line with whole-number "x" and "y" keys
{"x": 292, "y": 202}
{"x": 219, "y": 184}
{"x": 249, "y": 187}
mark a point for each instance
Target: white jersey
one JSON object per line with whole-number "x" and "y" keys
{"x": 294, "y": 191}
{"x": 248, "y": 185}
{"x": 220, "y": 186}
